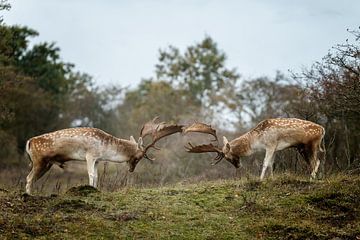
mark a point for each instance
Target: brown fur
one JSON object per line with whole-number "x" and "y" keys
{"x": 58, "y": 148}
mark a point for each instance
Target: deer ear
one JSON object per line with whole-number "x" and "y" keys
{"x": 226, "y": 144}
{"x": 227, "y": 147}
{"x": 140, "y": 143}
{"x": 132, "y": 139}
{"x": 225, "y": 141}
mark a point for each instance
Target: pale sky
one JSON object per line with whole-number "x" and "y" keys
{"x": 117, "y": 42}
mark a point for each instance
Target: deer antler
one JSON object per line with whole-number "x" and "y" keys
{"x": 149, "y": 127}
{"x": 201, "y": 128}
{"x": 206, "y": 148}
{"x": 158, "y": 131}
{"x": 163, "y": 130}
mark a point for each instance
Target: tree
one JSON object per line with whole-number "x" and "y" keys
{"x": 39, "y": 92}
{"x": 334, "y": 87}
{"x": 150, "y": 99}
{"x": 199, "y": 70}
{"x": 39, "y": 82}
{"x": 4, "y": 5}
{"x": 263, "y": 98}
{"x": 87, "y": 104}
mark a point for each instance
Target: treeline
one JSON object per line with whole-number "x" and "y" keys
{"x": 40, "y": 92}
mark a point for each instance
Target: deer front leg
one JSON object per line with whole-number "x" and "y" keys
{"x": 92, "y": 170}
{"x": 268, "y": 162}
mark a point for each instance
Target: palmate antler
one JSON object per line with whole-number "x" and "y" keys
{"x": 206, "y": 148}
{"x": 204, "y": 128}
{"x": 201, "y": 128}
{"x": 149, "y": 127}
{"x": 157, "y": 132}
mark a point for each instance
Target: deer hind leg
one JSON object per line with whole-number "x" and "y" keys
{"x": 92, "y": 170}
{"x": 306, "y": 153}
{"x": 39, "y": 168}
{"x": 303, "y": 152}
{"x": 268, "y": 162}
{"x": 314, "y": 160}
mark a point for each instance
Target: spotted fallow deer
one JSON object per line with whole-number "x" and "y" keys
{"x": 91, "y": 145}
{"x": 270, "y": 135}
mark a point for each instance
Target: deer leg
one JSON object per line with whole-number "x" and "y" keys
{"x": 92, "y": 171}
{"x": 29, "y": 180}
{"x": 268, "y": 162}
{"x": 314, "y": 160}
{"x": 306, "y": 152}
{"x": 37, "y": 171}
{"x": 302, "y": 151}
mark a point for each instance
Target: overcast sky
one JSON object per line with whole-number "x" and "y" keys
{"x": 117, "y": 42}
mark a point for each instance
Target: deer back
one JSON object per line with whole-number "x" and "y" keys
{"x": 75, "y": 143}
{"x": 285, "y": 132}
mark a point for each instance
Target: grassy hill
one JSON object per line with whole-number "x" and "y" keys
{"x": 285, "y": 207}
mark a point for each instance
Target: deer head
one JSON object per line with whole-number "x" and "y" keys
{"x": 234, "y": 159}
{"x": 224, "y": 152}
{"x": 157, "y": 131}
{"x": 139, "y": 153}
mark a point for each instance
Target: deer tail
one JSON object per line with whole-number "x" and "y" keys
{"x": 322, "y": 144}
{"x": 27, "y": 152}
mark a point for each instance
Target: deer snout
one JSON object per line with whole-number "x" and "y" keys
{"x": 236, "y": 164}
{"x": 132, "y": 163}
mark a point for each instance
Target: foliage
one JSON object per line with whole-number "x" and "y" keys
{"x": 40, "y": 92}
{"x": 199, "y": 69}
{"x": 263, "y": 98}
{"x": 335, "y": 82}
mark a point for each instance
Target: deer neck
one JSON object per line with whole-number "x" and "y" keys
{"x": 242, "y": 146}
{"x": 117, "y": 149}
{"x": 124, "y": 146}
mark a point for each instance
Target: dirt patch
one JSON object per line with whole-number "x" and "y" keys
{"x": 297, "y": 184}
{"x": 173, "y": 192}
{"x": 339, "y": 209}
{"x": 72, "y": 206}
{"x": 18, "y": 228}
{"x": 278, "y": 231}
{"x": 253, "y": 207}
{"x": 23, "y": 204}
{"x": 330, "y": 201}
{"x": 123, "y": 217}
{"x": 83, "y": 191}
{"x": 338, "y": 220}
{"x": 252, "y": 185}
{"x": 25, "y": 216}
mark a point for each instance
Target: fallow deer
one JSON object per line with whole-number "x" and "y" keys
{"x": 91, "y": 145}
{"x": 270, "y": 135}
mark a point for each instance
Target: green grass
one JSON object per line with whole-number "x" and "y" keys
{"x": 285, "y": 207}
